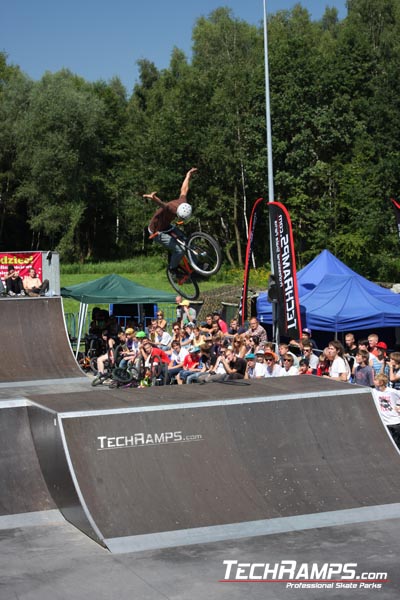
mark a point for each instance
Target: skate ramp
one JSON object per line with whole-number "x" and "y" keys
{"x": 23, "y": 489}
{"x": 35, "y": 343}
{"x": 228, "y": 462}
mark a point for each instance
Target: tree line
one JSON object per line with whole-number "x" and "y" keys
{"x": 76, "y": 156}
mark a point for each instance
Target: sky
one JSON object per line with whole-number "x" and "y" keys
{"x": 100, "y": 39}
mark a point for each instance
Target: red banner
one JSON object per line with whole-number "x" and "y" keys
{"x": 396, "y": 206}
{"x": 22, "y": 262}
{"x": 243, "y": 301}
{"x": 285, "y": 276}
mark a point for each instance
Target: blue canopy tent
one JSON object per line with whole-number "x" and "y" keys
{"x": 335, "y": 298}
{"x": 342, "y": 303}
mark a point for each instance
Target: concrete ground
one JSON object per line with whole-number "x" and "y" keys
{"x": 55, "y": 561}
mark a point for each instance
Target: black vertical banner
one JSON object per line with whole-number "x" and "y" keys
{"x": 249, "y": 248}
{"x": 284, "y": 261}
{"x": 396, "y": 206}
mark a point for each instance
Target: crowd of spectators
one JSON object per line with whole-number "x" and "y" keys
{"x": 213, "y": 350}
{"x": 16, "y": 286}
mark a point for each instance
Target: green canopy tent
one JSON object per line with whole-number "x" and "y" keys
{"x": 111, "y": 289}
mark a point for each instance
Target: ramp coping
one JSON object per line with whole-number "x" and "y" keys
{"x": 202, "y": 403}
{"x": 201, "y": 535}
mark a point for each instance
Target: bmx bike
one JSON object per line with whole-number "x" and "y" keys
{"x": 202, "y": 259}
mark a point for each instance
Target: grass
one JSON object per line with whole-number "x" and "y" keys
{"x": 150, "y": 272}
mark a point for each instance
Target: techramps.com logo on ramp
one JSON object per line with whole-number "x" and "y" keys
{"x": 297, "y": 576}
{"x": 145, "y": 440}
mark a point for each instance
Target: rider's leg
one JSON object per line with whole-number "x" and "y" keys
{"x": 172, "y": 245}
{"x": 100, "y": 363}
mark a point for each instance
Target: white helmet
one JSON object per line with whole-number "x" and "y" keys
{"x": 184, "y": 211}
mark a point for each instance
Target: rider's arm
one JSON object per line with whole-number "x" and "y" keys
{"x": 153, "y": 196}
{"x": 185, "y": 183}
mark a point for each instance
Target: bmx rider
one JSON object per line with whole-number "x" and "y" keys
{"x": 160, "y": 222}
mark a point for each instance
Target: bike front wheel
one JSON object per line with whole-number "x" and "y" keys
{"x": 183, "y": 283}
{"x": 204, "y": 254}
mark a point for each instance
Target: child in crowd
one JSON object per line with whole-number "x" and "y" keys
{"x": 394, "y": 370}
{"x": 387, "y": 401}
{"x": 363, "y": 373}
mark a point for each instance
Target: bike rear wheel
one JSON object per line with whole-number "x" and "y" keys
{"x": 204, "y": 254}
{"x": 183, "y": 283}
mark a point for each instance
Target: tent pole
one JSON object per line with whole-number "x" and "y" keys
{"x": 83, "y": 308}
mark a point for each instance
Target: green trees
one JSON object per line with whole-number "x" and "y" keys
{"x": 76, "y": 158}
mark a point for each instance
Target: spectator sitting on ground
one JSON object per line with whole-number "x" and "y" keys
{"x": 239, "y": 345}
{"x": 177, "y": 356}
{"x": 234, "y": 365}
{"x": 304, "y": 367}
{"x": 250, "y": 366}
{"x": 363, "y": 373}
{"x": 192, "y": 366}
{"x": 283, "y": 351}
{"x": 215, "y": 330}
{"x": 305, "y": 337}
{"x": 187, "y": 335}
{"x": 161, "y": 321}
{"x": 162, "y": 339}
{"x": 387, "y": 401}
{"x": 207, "y": 327}
{"x": 310, "y": 356}
{"x": 217, "y": 346}
{"x": 132, "y": 348}
{"x": 273, "y": 367}
{"x": 198, "y": 337}
{"x": 234, "y": 328}
{"x": 252, "y": 343}
{"x": 177, "y": 333}
{"x": 3, "y": 291}
{"x": 217, "y": 372}
{"x": 153, "y": 356}
{"x": 109, "y": 344}
{"x": 221, "y": 323}
{"x": 323, "y": 363}
{"x": 151, "y": 330}
{"x": 14, "y": 283}
{"x": 33, "y": 286}
{"x": 207, "y": 356}
{"x": 288, "y": 367}
{"x": 260, "y": 367}
{"x": 122, "y": 347}
{"x": 257, "y": 329}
